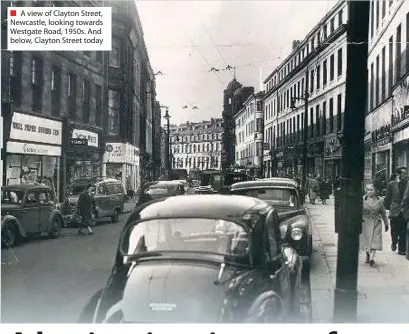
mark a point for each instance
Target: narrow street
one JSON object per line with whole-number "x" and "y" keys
{"x": 52, "y": 279}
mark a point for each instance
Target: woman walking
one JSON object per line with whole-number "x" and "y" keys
{"x": 373, "y": 215}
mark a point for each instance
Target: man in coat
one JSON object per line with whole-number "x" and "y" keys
{"x": 86, "y": 207}
{"x": 398, "y": 207}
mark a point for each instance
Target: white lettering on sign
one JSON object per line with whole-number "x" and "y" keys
{"x": 92, "y": 137}
{"x": 33, "y": 149}
{"x": 35, "y": 129}
{"x": 121, "y": 153}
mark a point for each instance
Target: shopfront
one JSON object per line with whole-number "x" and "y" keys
{"x": 33, "y": 151}
{"x": 381, "y": 151}
{"x": 121, "y": 161}
{"x": 83, "y": 157}
{"x": 332, "y": 157}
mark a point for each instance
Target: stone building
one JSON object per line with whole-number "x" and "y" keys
{"x": 322, "y": 56}
{"x": 387, "y": 121}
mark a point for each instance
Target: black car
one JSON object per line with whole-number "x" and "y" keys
{"x": 159, "y": 189}
{"x": 284, "y": 195}
{"x": 201, "y": 259}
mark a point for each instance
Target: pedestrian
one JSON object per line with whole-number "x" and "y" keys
{"x": 337, "y": 183}
{"x": 398, "y": 209}
{"x": 373, "y": 215}
{"x": 86, "y": 207}
{"x": 325, "y": 190}
{"x": 313, "y": 189}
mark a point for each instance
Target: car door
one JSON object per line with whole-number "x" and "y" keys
{"x": 102, "y": 200}
{"x": 282, "y": 273}
{"x": 30, "y": 217}
{"x": 46, "y": 205}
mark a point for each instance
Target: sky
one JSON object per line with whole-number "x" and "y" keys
{"x": 185, "y": 39}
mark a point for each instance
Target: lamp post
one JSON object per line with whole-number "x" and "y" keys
{"x": 304, "y": 98}
{"x": 168, "y": 152}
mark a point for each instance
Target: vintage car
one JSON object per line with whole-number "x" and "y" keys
{"x": 160, "y": 189}
{"x": 201, "y": 259}
{"x": 284, "y": 195}
{"x": 26, "y": 211}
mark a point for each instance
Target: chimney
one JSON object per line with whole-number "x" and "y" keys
{"x": 296, "y": 43}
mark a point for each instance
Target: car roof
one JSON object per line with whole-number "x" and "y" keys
{"x": 23, "y": 187}
{"x": 203, "y": 206}
{"x": 167, "y": 184}
{"x": 278, "y": 182}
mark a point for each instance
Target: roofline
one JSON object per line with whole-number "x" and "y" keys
{"x": 306, "y": 38}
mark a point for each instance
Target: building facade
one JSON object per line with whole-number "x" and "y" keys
{"x": 55, "y": 124}
{"x": 387, "y": 121}
{"x": 316, "y": 66}
{"x": 249, "y": 135}
{"x": 197, "y": 145}
{"x": 156, "y": 143}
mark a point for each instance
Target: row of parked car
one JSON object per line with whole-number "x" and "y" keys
{"x": 31, "y": 210}
{"x": 210, "y": 258}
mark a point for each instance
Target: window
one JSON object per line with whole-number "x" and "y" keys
{"x": 324, "y": 73}
{"x": 371, "y": 88}
{"x": 377, "y": 82}
{"x": 72, "y": 95}
{"x": 325, "y": 32}
{"x": 383, "y": 83}
{"x": 332, "y": 25}
{"x": 317, "y": 120}
{"x": 86, "y": 89}
{"x": 113, "y": 112}
{"x": 407, "y": 42}
{"x": 340, "y": 17}
{"x": 339, "y": 112}
{"x": 383, "y": 9}
{"x": 339, "y": 62}
{"x": 37, "y": 83}
{"x": 331, "y": 67}
{"x": 15, "y": 76}
{"x": 312, "y": 81}
{"x": 114, "y": 55}
{"x": 98, "y": 105}
{"x": 377, "y": 15}
{"x": 318, "y": 76}
{"x": 324, "y": 118}
{"x": 331, "y": 115}
{"x": 312, "y": 122}
{"x": 398, "y": 53}
{"x": 372, "y": 30}
{"x": 87, "y": 53}
{"x": 390, "y": 71}
{"x": 55, "y": 91}
{"x": 98, "y": 56}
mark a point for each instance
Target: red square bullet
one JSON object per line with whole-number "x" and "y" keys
{"x": 13, "y": 12}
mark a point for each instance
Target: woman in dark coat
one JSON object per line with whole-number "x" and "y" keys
{"x": 325, "y": 190}
{"x": 85, "y": 208}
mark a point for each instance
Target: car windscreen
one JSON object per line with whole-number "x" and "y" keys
{"x": 11, "y": 196}
{"x": 186, "y": 235}
{"x": 279, "y": 196}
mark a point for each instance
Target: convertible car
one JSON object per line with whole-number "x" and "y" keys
{"x": 284, "y": 195}
{"x": 201, "y": 259}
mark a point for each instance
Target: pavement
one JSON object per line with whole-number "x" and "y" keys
{"x": 383, "y": 291}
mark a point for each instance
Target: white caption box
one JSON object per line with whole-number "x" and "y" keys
{"x": 59, "y": 29}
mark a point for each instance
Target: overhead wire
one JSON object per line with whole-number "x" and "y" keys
{"x": 217, "y": 49}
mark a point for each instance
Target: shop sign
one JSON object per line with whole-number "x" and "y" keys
{"x": 78, "y": 142}
{"x": 381, "y": 134}
{"x": 35, "y": 129}
{"x": 120, "y": 153}
{"x": 91, "y": 137}
{"x": 33, "y": 149}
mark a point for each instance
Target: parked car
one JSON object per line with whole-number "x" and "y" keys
{"x": 201, "y": 259}
{"x": 284, "y": 195}
{"x": 160, "y": 189}
{"x": 27, "y": 211}
{"x": 109, "y": 197}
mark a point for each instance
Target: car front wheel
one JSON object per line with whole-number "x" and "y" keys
{"x": 9, "y": 235}
{"x": 56, "y": 227}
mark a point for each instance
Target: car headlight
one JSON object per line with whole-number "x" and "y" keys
{"x": 296, "y": 233}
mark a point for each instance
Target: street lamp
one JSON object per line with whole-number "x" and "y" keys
{"x": 168, "y": 153}
{"x": 304, "y": 98}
